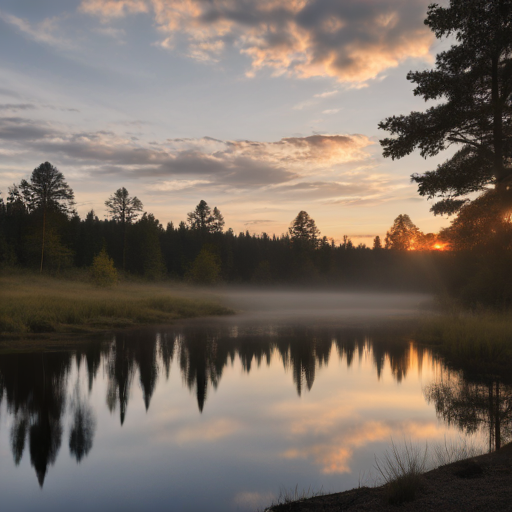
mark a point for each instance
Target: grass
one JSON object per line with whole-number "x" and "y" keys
{"x": 481, "y": 339}
{"x": 401, "y": 468}
{"x": 32, "y": 303}
{"x": 454, "y": 451}
{"x": 289, "y": 496}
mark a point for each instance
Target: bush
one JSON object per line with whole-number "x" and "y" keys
{"x": 103, "y": 270}
{"x": 205, "y": 269}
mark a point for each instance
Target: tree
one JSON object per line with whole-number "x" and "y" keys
{"x": 303, "y": 231}
{"x": 46, "y": 191}
{"x": 103, "y": 270}
{"x": 474, "y": 78}
{"x": 217, "y": 222}
{"x": 203, "y": 220}
{"x": 206, "y": 267}
{"x": 124, "y": 209}
{"x": 377, "y": 244}
{"x": 402, "y": 235}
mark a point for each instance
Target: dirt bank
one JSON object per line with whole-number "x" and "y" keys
{"x": 482, "y": 483}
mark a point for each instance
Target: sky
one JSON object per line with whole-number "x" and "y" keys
{"x": 261, "y": 108}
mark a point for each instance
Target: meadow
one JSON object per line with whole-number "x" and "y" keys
{"x": 32, "y": 303}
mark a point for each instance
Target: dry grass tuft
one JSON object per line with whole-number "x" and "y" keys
{"x": 401, "y": 469}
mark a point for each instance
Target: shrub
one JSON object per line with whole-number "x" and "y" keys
{"x": 206, "y": 268}
{"x": 103, "y": 270}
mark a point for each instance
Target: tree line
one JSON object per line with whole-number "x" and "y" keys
{"x": 39, "y": 228}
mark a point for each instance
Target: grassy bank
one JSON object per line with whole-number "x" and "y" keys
{"x": 33, "y": 304}
{"x": 477, "y": 340}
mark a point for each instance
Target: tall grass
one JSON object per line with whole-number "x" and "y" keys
{"x": 482, "y": 338}
{"x": 455, "y": 450}
{"x": 401, "y": 468}
{"x": 31, "y": 303}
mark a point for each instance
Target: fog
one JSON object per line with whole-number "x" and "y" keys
{"x": 301, "y": 305}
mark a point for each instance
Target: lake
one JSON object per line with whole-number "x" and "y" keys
{"x": 296, "y": 391}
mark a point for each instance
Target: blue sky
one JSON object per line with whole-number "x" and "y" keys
{"x": 261, "y": 108}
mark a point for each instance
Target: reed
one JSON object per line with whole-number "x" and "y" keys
{"x": 35, "y": 304}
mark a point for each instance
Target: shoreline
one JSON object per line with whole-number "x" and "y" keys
{"x": 478, "y": 483}
{"x": 42, "y": 307}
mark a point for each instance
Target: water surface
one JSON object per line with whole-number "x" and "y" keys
{"x": 218, "y": 415}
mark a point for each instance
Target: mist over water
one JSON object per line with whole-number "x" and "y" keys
{"x": 298, "y": 389}
{"x": 298, "y": 304}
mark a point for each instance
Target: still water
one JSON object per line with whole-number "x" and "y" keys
{"x": 216, "y": 415}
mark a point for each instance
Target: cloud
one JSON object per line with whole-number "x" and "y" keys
{"x": 18, "y": 129}
{"x": 353, "y": 41}
{"x": 257, "y": 222}
{"x": 326, "y": 94}
{"x": 329, "y": 168}
{"x": 332, "y": 111}
{"x": 42, "y": 32}
{"x": 17, "y": 106}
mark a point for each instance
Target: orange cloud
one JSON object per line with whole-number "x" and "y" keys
{"x": 353, "y": 41}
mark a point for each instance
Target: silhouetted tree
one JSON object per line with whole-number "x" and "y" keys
{"x": 46, "y": 191}
{"x": 402, "y": 235}
{"x": 124, "y": 209}
{"x": 303, "y": 230}
{"x": 203, "y": 220}
{"x": 474, "y": 77}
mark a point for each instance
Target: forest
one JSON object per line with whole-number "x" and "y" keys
{"x": 40, "y": 230}
{"x": 45, "y": 233}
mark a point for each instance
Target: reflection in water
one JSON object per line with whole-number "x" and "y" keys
{"x": 36, "y": 387}
{"x": 35, "y": 391}
{"x": 474, "y": 405}
{"x": 83, "y": 427}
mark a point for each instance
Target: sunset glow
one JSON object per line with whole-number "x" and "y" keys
{"x": 244, "y": 105}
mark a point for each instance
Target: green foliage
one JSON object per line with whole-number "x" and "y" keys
{"x": 472, "y": 84}
{"x": 103, "y": 271}
{"x": 206, "y": 267}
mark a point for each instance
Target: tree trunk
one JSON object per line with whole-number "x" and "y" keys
{"x": 497, "y": 422}
{"x": 42, "y": 244}
{"x": 501, "y": 173}
{"x": 124, "y": 246}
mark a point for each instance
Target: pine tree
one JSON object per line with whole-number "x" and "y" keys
{"x": 472, "y": 84}
{"x": 124, "y": 209}
{"x": 46, "y": 191}
{"x": 303, "y": 231}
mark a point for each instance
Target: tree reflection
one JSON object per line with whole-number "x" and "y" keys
{"x": 35, "y": 390}
{"x": 474, "y": 405}
{"x": 34, "y": 386}
{"x": 83, "y": 427}
{"x": 120, "y": 375}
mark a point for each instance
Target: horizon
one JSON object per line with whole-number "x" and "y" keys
{"x": 182, "y": 102}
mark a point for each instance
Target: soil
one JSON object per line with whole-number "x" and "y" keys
{"x": 482, "y": 483}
